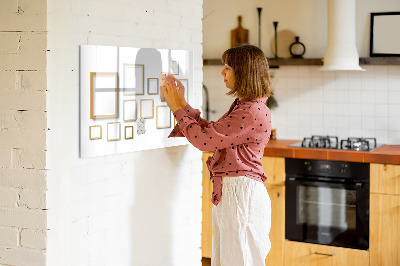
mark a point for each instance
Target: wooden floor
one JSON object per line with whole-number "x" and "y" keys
{"x": 206, "y": 261}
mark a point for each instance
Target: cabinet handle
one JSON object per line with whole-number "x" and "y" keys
{"x": 324, "y": 254}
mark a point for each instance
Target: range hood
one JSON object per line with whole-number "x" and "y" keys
{"x": 341, "y": 51}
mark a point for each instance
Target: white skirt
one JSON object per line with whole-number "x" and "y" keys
{"x": 241, "y": 223}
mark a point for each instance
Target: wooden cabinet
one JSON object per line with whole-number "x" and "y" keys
{"x": 385, "y": 215}
{"x": 304, "y": 254}
{"x": 385, "y": 178}
{"x": 274, "y": 168}
{"x": 206, "y": 226}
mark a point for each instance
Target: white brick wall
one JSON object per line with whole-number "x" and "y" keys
{"x": 122, "y": 209}
{"x": 23, "y": 128}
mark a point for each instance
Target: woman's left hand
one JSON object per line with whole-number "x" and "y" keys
{"x": 170, "y": 91}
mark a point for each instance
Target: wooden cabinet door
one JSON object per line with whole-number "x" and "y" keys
{"x": 385, "y": 178}
{"x": 384, "y": 236}
{"x": 274, "y": 168}
{"x": 206, "y": 225}
{"x": 277, "y": 233}
{"x": 304, "y": 254}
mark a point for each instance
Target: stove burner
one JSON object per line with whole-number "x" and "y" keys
{"x": 328, "y": 142}
{"x": 358, "y": 144}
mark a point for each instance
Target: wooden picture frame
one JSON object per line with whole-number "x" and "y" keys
{"x": 103, "y": 95}
{"x": 147, "y": 108}
{"x": 163, "y": 117}
{"x": 95, "y": 132}
{"x": 128, "y": 132}
{"x": 133, "y": 79}
{"x": 152, "y": 86}
{"x": 113, "y": 126}
{"x": 185, "y": 83}
{"x": 384, "y": 36}
{"x": 129, "y": 110}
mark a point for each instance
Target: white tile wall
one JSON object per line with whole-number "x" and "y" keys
{"x": 344, "y": 103}
{"x": 313, "y": 102}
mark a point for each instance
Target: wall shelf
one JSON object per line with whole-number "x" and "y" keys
{"x": 274, "y": 63}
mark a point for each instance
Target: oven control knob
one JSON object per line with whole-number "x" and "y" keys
{"x": 343, "y": 168}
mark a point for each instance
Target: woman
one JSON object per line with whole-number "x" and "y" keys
{"x": 242, "y": 211}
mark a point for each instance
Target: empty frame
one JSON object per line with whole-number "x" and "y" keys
{"x": 103, "y": 95}
{"x": 129, "y": 110}
{"x": 146, "y": 108}
{"x": 152, "y": 86}
{"x": 384, "y": 41}
{"x": 133, "y": 79}
{"x": 163, "y": 117}
{"x": 95, "y": 132}
{"x": 128, "y": 132}
{"x": 113, "y": 131}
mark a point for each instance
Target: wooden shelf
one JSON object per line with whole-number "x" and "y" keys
{"x": 274, "y": 63}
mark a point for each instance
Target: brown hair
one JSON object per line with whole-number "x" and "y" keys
{"x": 250, "y": 66}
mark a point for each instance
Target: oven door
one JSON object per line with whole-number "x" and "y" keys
{"x": 327, "y": 213}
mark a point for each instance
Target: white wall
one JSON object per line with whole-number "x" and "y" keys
{"x": 306, "y": 19}
{"x": 23, "y": 133}
{"x": 311, "y": 102}
{"x": 140, "y": 208}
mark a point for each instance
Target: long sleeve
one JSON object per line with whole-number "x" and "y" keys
{"x": 231, "y": 130}
{"x": 193, "y": 113}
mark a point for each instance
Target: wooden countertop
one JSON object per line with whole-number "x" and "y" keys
{"x": 389, "y": 154}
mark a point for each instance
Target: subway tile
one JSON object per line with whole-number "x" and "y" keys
{"x": 381, "y": 110}
{"x": 355, "y": 96}
{"x": 367, "y": 96}
{"x": 381, "y": 84}
{"x": 394, "y": 97}
{"x": 394, "y": 110}
{"x": 382, "y": 136}
{"x": 380, "y": 97}
{"x": 380, "y": 71}
{"x": 394, "y": 123}
{"x": 355, "y": 109}
{"x": 394, "y": 137}
{"x": 368, "y": 122}
{"x": 367, "y": 110}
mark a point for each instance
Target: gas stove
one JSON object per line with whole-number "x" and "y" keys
{"x": 332, "y": 142}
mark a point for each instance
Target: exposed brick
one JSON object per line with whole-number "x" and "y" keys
{"x": 11, "y": 256}
{"x": 23, "y": 218}
{"x": 31, "y": 80}
{"x": 8, "y": 197}
{"x": 5, "y": 159}
{"x": 8, "y": 6}
{"x": 31, "y": 55}
{"x": 23, "y": 100}
{"x": 23, "y": 178}
{"x": 14, "y": 119}
{"x": 33, "y": 239}
{"x": 9, "y": 237}
{"x": 33, "y": 199}
{"x": 9, "y": 42}
{"x": 22, "y": 139}
{"x": 33, "y": 159}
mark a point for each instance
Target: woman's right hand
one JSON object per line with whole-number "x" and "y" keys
{"x": 181, "y": 91}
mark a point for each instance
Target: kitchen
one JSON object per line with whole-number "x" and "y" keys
{"x": 313, "y": 104}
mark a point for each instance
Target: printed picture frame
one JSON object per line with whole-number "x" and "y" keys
{"x": 103, "y": 95}
{"x": 185, "y": 83}
{"x": 147, "y": 108}
{"x": 163, "y": 117}
{"x": 133, "y": 79}
{"x": 152, "y": 86}
{"x": 129, "y": 110}
{"x": 95, "y": 132}
{"x": 128, "y": 132}
{"x": 113, "y": 131}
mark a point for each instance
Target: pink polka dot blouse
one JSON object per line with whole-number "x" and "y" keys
{"x": 238, "y": 139}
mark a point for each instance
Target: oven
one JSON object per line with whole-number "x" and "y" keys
{"x": 327, "y": 202}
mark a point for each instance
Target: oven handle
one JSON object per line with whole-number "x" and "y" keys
{"x": 357, "y": 185}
